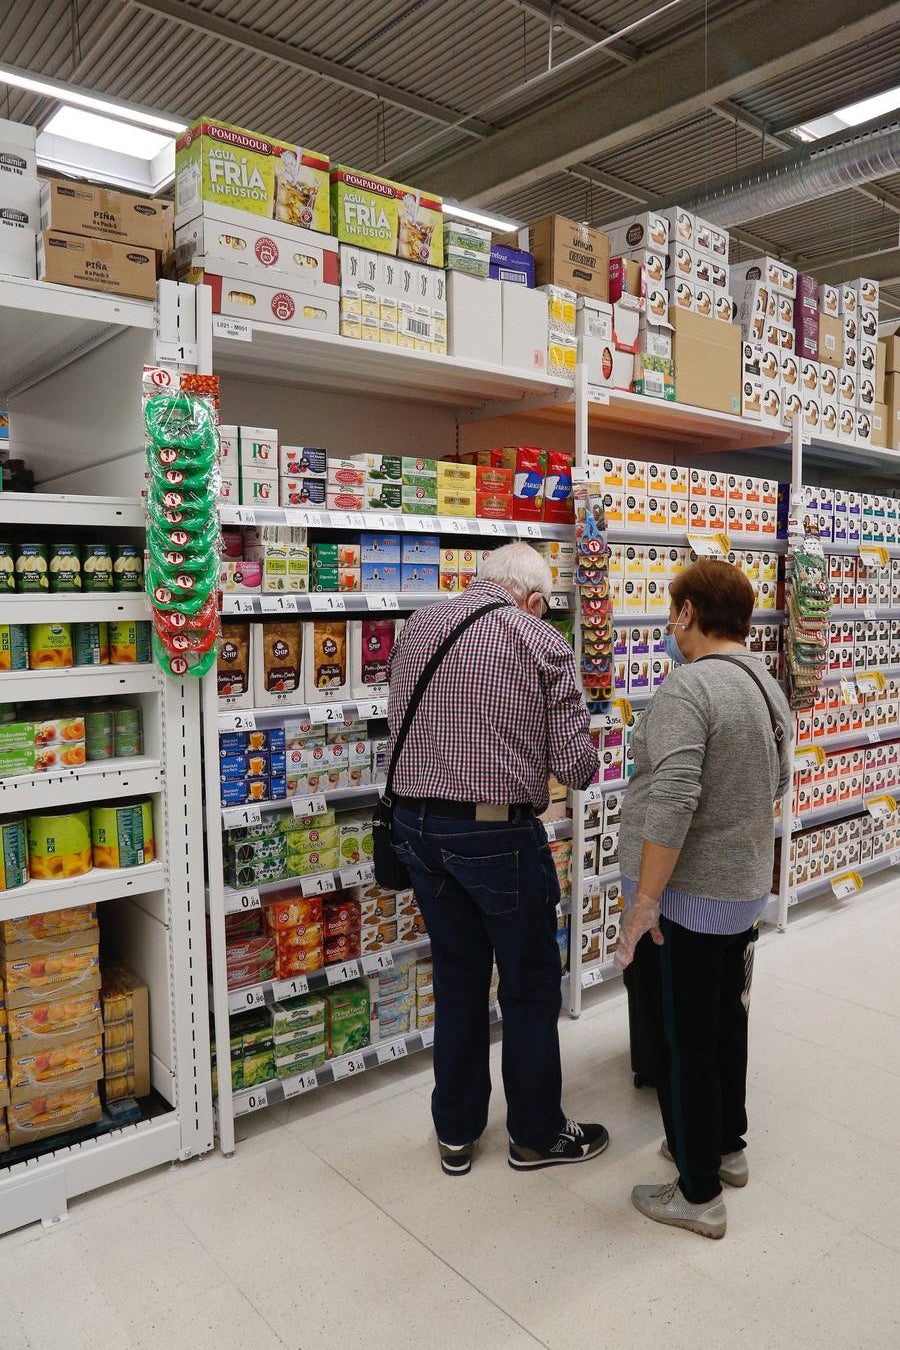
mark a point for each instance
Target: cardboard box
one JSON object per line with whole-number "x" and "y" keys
{"x": 308, "y": 261}
{"x": 880, "y": 424}
{"x": 475, "y": 314}
{"x": 646, "y": 230}
{"x": 387, "y": 217}
{"x": 524, "y": 326}
{"x": 831, "y": 340}
{"x": 97, "y": 264}
{"x": 707, "y": 362}
{"x": 566, "y": 254}
{"x": 231, "y": 166}
{"x": 18, "y": 243}
{"x": 247, "y": 298}
{"x": 512, "y": 264}
{"x": 101, "y": 213}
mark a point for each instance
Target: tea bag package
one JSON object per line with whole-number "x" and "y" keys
{"x": 325, "y": 661}
{"x": 371, "y": 643}
{"x": 277, "y": 663}
{"x": 233, "y": 676}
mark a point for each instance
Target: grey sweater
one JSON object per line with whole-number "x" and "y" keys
{"x": 706, "y": 773}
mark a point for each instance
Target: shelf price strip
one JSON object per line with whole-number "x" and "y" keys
{"x": 848, "y": 883}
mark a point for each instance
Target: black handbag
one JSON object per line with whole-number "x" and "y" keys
{"x": 390, "y": 872}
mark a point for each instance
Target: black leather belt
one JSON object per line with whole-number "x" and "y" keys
{"x": 439, "y": 806}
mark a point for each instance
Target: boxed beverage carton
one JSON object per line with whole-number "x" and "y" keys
{"x": 387, "y": 217}
{"x": 475, "y": 313}
{"x": 567, "y": 253}
{"x": 467, "y": 248}
{"x": 707, "y": 362}
{"x": 525, "y": 327}
{"x": 645, "y": 230}
{"x": 222, "y": 239}
{"x": 96, "y": 264}
{"x": 247, "y": 297}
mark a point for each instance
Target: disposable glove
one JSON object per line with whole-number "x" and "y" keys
{"x": 641, "y": 915}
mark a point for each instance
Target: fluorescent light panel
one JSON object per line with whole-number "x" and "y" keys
{"x": 457, "y": 212}
{"x": 64, "y": 93}
{"x": 107, "y": 133}
{"x": 851, "y": 116}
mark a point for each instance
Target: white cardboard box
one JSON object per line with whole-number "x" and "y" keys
{"x": 475, "y": 314}
{"x": 245, "y": 297}
{"x": 524, "y": 326}
{"x": 224, "y": 238}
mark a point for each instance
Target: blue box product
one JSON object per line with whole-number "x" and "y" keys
{"x": 296, "y": 461}
{"x": 240, "y": 791}
{"x": 379, "y": 548}
{"x": 278, "y": 787}
{"x": 251, "y": 763}
{"x": 378, "y": 576}
{"x": 419, "y": 577}
{"x": 238, "y": 742}
{"x": 421, "y": 548}
{"x": 512, "y": 264}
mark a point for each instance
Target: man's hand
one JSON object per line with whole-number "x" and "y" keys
{"x": 641, "y": 916}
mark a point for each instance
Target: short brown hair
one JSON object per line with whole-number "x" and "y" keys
{"x": 721, "y": 595}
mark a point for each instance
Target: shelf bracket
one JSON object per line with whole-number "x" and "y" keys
{"x": 483, "y": 412}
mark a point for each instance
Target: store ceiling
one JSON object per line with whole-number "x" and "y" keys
{"x": 457, "y": 94}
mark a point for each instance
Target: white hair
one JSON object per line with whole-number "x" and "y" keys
{"x": 519, "y": 570}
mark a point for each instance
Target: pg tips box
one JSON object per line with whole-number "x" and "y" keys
{"x": 387, "y": 217}
{"x": 233, "y": 167}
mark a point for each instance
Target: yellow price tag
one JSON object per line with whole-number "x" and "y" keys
{"x": 848, "y": 883}
{"x": 709, "y": 545}
{"x": 625, "y": 709}
{"x": 874, "y": 555}
{"x": 807, "y": 755}
{"x": 871, "y": 682}
{"x": 879, "y": 808}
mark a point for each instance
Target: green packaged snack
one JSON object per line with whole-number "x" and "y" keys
{"x": 293, "y": 1016}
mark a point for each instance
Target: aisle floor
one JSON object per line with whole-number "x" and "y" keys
{"x": 333, "y": 1225}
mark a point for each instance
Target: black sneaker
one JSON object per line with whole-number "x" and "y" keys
{"x": 456, "y": 1159}
{"x": 576, "y": 1143}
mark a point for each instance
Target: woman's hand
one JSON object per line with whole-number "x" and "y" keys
{"x": 641, "y": 915}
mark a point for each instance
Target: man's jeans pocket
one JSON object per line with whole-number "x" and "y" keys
{"x": 491, "y": 881}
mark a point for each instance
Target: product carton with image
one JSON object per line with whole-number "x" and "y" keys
{"x": 223, "y": 239}
{"x": 387, "y": 217}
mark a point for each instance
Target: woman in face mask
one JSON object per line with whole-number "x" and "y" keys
{"x": 696, "y": 848}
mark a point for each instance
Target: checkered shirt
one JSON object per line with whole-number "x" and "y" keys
{"x": 502, "y": 711}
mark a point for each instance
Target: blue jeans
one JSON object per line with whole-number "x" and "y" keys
{"x": 486, "y": 890}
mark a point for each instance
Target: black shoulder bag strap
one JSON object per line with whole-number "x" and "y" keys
{"x": 389, "y": 870}
{"x": 777, "y": 728}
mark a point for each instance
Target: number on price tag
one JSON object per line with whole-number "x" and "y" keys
{"x": 348, "y": 1066}
{"x": 323, "y": 884}
{"x": 295, "y": 1087}
{"x": 383, "y": 601}
{"x": 328, "y": 603}
{"x": 292, "y": 988}
{"x": 593, "y": 794}
{"x": 491, "y": 527}
{"x": 241, "y": 902}
{"x": 358, "y": 876}
{"x": 874, "y": 736}
{"x": 793, "y": 898}
{"x": 374, "y": 709}
{"x": 530, "y": 529}
{"x": 309, "y": 806}
{"x": 849, "y": 884}
{"x": 387, "y": 522}
{"x": 241, "y": 1000}
{"x": 278, "y": 604}
{"x": 550, "y": 830}
{"x": 394, "y": 1050}
{"x": 239, "y": 721}
{"x": 347, "y": 970}
{"x": 427, "y": 1034}
{"x": 371, "y": 965}
{"x": 450, "y": 525}
{"x": 245, "y": 515}
{"x": 240, "y": 604}
{"x": 591, "y": 885}
{"x": 559, "y": 602}
{"x": 235, "y": 816}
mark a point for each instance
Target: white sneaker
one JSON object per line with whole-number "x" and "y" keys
{"x": 734, "y": 1169}
{"x": 666, "y": 1204}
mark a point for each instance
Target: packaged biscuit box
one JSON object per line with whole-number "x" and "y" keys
{"x": 36, "y": 1070}
{"x": 236, "y": 168}
{"x": 56, "y": 1021}
{"x": 387, "y": 217}
{"x": 52, "y": 1113}
{"x": 35, "y": 979}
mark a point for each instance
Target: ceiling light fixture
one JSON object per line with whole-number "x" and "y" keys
{"x": 70, "y": 94}
{"x": 457, "y": 212}
{"x": 851, "y": 116}
{"x": 107, "y": 133}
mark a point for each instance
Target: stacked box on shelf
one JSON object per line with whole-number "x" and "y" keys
{"x": 845, "y": 776}
{"x": 541, "y": 482}
{"x": 886, "y": 414}
{"x": 832, "y": 714}
{"x": 125, "y": 1005}
{"x": 643, "y": 495}
{"x": 281, "y": 847}
{"x": 393, "y": 301}
{"x": 20, "y": 204}
{"x": 852, "y": 518}
{"x": 825, "y": 851}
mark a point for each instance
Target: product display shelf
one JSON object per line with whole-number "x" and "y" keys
{"x": 318, "y": 713}
{"x": 279, "y": 1090}
{"x": 471, "y": 526}
{"x": 307, "y": 804}
{"x": 851, "y": 806}
{"x": 25, "y": 686}
{"x": 599, "y": 972}
{"x": 43, "y": 509}
{"x": 841, "y": 454}
{"x": 807, "y": 890}
{"x": 660, "y": 617}
{"x": 705, "y": 429}
{"x": 849, "y": 739}
{"x": 93, "y": 782}
{"x": 62, "y": 608}
{"x": 835, "y": 676}
{"x": 42, "y": 897}
{"x": 347, "y": 602}
{"x": 597, "y": 791}
{"x": 646, "y": 534}
{"x": 851, "y": 550}
{"x": 866, "y": 612}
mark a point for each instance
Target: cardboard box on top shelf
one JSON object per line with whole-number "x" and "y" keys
{"x": 524, "y": 327}
{"x": 707, "y": 362}
{"x": 891, "y": 345}
{"x": 235, "y": 240}
{"x": 387, "y": 217}
{"x": 20, "y": 205}
{"x": 97, "y": 264}
{"x": 831, "y": 341}
{"x": 102, "y": 213}
{"x": 566, "y": 253}
{"x": 627, "y": 284}
{"x": 511, "y": 264}
{"x": 247, "y": 297}
{"x": 475, "y": 314}
{"x": 645, "y": 230}
{"x": 880, "y": 425}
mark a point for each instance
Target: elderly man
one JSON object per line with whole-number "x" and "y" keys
{"x": 502, "y": 712}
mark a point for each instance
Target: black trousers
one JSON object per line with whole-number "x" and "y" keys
{"x": 692, "y": 996}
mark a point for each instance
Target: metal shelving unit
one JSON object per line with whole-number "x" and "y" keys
{"x": 347, "y": 602}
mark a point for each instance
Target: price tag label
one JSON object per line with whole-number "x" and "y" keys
{"x": 529, "y": 529}
{"x": 379, "y": 961}
{"x": 394, "y": 1050}
{"x": 241, "y": 1000}
{"x": 874, "y": 555}
{"x": 450, "y": 525}
{"x": 387, "y": 522}
{"x": 295, "y": 1087}
{"x": 387, "y": 601}
{"x": 237, "y": 330}
{"x": 793, "y": 898}
{"x": 848, "y": 884}
{"x": 233, "y": 817}
{"x": 591, "y": 977}
{"x": 559, "y": 602}
{"x": 348, "y": 1066}
{"x": 278, "y": 604}
{"x": 550, "y": 830}
{"x": 309, "y": 806}
{"x": 240, "y": 604}
{"x": 849, "y": 693}
{"x": 591, "y": 885}
{"x": 870, "y": 612}
{"x": 880, "y": 808}
{"x": 358, "y": 876}
{"x": 807, "y": 755}
{"x": 327, "y": 604}
{"x": 376, "y": 708}
{"x": 326, "y": 712}
{"x": 490, "y": 527}
{"x": 323, "y": 884}
{"x": 597, "y": 395}
{"x": 424, "y": 523}
{"x": 593, "y": 794}
{"x": 241, "y": 902}
{"x": 254, "y": 1100}
{"x": 292, "y": 988}
{"x": 709, "y": 545}
{"x": 238, "y": 721}
{"x": 244, "y": 515}
{"x": 873, "y": 735}
{"x": 895, "y": 858}
{"x": 427, "y": 1034}
{"x": 347, "y": 970}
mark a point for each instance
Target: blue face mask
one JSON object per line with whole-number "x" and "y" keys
{"x": 673, "y": 651}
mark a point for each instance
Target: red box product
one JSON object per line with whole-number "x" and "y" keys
{"x": 302, "y": 938}
{"x": 491, "y": 479}
{"x": 558, "y": 504}
{"x": 343, "y": 948}
{"x": 292, "y": 911}
{"x": 491, "y": 505}
{"x": 303, "y": 961}
{"x": 342, "y": 919}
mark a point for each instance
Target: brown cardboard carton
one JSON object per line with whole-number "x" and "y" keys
{"x": 95, "y": 264}
{"x": 707, "y": 362}
{"x": 125, "y": 1000}
{"x": 880, "y": 416}
{"x": 831, "y": 341}
{"x": 892, "y": 401}
{"x": 880, "y": 370}
{"x": 101, "y": 213}
{"x": 891, "y": 352}
{"x": 566, "y": 254}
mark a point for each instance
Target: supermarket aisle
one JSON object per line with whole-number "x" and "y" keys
{"x": 333, "y": 1225}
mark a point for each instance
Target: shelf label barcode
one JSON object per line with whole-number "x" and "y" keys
{"x": 235, "y": 816}
{"x": 240, "y": 902}
{"x": 319, "y": 885}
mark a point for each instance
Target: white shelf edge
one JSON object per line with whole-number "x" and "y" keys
{"x": 807, "y": 889}
{"x": 91, "y": 783}
{"x": 310, "y": 518}
{"x": 246, "y": 719}
{"x": 42, "y": 897}
{"x": 59, "y": 508}
{"x": 85, "y": 681}
{"x": 113, "y": 607}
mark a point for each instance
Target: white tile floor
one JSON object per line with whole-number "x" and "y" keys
{"x": 333, "y": 1226}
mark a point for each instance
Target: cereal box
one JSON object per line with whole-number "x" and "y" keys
{"x": 387, "y": 217}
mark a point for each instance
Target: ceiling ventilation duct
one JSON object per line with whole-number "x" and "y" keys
{"x": 802, "y": 177}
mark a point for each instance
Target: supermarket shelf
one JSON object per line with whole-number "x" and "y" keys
{"x": 660, "y": 617}
{"x": 248, "y": 719}
{"x": 114, "y": 607}
{"x": 866, "y": 612}
{"x": 28, "y": 686}
{"x": 592, "y": 881}
{"x": 333, "y": 1070}
{"x": 323, "y": 360}
{"x": 851, "y": 550}
{"x": 43, "y": 328}
{"x": 598, "y": 972}
{"x": 836, "y": 811}
{"x": 270, "y": 991}
{"x": 627, "y": 534}
{"x": 612, "y": 409}
{"x": 52, "y": 508}
{"x": 819, "y": 885}
{"x": 558, "y": 829}
{"x": 41, "y": 897}
{"x": 309, "y": 804}
{"x": 849, "y": 739}
{"x": 321, "y": 883}
{"x": 349, "y": 602}
{"x": 835, "y": 676}
{"x": 473, "y": 527}
{"x": 94, "y": 782}
{"x": 851, "y": 456}
{"x": 597, "y": 791}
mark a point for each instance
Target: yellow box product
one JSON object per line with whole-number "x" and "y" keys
{"x": 72, "y": 1064}
{"x": 57, "y": 1020}
{"x": 387, "y": 217}
{"x": 31, "y": 980}
{"x": 52, "y": 1113}
{"x": 55, "y": 923}
{"x": 231, "y": 166}
{"x": 122, "y": 836}
{"x": 456, "y": 476}
{"x": 59, "y": 845}
{"x": 50, "y": 646}
{"x": 453, "y": 502}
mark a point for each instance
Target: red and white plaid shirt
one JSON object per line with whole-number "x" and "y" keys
{"x": 502, "y": 711}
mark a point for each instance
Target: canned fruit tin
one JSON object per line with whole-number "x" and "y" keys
{"x": 97, "y": 567}
{"x": 128, "y": 568}
{"x": 90, "y": 644}
{"x": 59, "y": 845}
{"x": 122, "y": 836}
{"x": 13, "y": 646}
{"x": 129, "y": 643}
{"x": 65, "y": 567}
{"x": 7, "y": 568}
{"x": 31, "y": 568}
{"x": 128, "y": 732}
{"x": 50, "y": 646}
{"x": 13, "y": 855}
{"x": 99, "y": 734}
